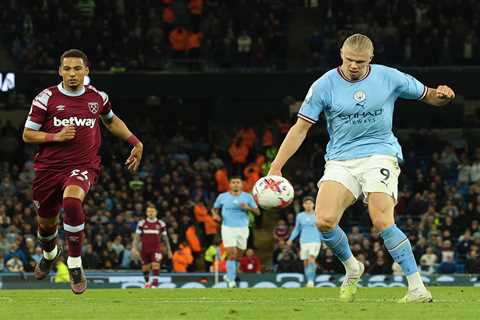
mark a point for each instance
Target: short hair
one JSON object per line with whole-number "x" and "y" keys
{"x": 150, "y": 205}
{"x": 235, "y": 177}
{"x": 74, "y": 53}
{"x": 308, "y": 198}
{"x": 358, "y": 42}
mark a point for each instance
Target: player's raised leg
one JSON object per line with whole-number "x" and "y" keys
{"x": 47, "y": 235}
{"x": 47, "y": 200}
{"x": 73, "y": 224}
{"x": 381, "y": 208}
{"x": 332, "y": 200}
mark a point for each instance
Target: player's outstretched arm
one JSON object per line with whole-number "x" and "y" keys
{"x": 290, "y": 145}
{"x": 119, "y": 129}
{"x": 35, "y": 136}
{"x": 439, "y": 96}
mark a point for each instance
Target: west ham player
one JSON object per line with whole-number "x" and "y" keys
{"x": 234, "y": 206}
{"x": 310, "y": 239}
{"x": 362, "y": 155}
{"x": 64, "y": 121}
{"x": 149, "y": 232}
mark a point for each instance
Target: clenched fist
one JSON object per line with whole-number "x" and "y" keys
{"x": 67, "y": 133}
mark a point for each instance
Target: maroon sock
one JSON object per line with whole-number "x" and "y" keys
{"x": 73, "y": 224}
{"x": 146, "y": 275}
{"x": 47, "y": 236}
{"x": 156, "y": 273}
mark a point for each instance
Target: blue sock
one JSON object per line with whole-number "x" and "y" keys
{"x": 337, "y": 241}
{"x": 231, "y": 270}
{"x": 400, "y": 249}
{"x": 311, "y": 272}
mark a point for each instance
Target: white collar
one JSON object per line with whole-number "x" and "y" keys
{"x": 69, "y": 93}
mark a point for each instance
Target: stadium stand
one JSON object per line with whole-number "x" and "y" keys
{"x": 147, "y": 35}
{"x": 212, "y": 34}
{"x": 438, "y": 206}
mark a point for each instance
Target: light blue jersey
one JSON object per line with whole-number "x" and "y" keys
{"x": 232, "y": 214}
{"x": 305, "y": 225}
{"x": 359, "y": 113}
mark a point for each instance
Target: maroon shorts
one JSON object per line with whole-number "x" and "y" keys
{"x": 151, "y": 256}
{"x": 48, "y": 188}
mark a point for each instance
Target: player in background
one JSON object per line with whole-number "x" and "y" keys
{"x": 64, "y": 121}
{"x": 310, "y": 239}
{"x": 233, "y": 207}
{"x": 150, "y": 232}
{"x": 362, "y": 155}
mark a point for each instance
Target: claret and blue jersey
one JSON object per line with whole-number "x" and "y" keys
{"x": 359, "y": 113}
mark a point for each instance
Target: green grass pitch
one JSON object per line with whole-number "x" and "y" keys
{"x": 258, "y": 304}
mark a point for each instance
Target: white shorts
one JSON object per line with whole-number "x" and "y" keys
{"x": 309, "y": 249}
{"x": 235, "y": 237}
{"x": 364, "y": 175}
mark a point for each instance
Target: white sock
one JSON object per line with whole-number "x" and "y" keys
{"x": 50, "y": 255}
{"x": 351, "y": 265}
{"x": 74, "y": 262}
{"x": 415, "y": 281}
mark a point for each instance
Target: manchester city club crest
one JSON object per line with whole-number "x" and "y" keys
{"x": 359, "y": 96}
{"x": 93, "y": 106}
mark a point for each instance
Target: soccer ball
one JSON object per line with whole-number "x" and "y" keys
{"x": 273, "y": 192}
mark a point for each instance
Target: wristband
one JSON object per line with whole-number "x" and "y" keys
{"x": 133, "y": 141}
{"x": 50, "y": 137}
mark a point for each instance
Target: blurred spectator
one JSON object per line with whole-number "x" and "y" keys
{"x": 472, "y": 264}
{"x": 182, "y": 258}
{"x": 2, "y": 262}
{"x": 18, "y": 257}
{"x": 428, "y": 261}
{"x": 287, "y": 261}
{"x": 250, "y": 263}
{"x": 447, "y": 266}
{"x": 90, "y": 258}
{"x": 281, "y": 231}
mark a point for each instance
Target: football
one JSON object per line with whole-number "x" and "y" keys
{"x": 273, "y": 192}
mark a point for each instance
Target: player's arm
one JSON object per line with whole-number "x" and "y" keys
{"x": 246, "y": 207}
{"x": 119, "y": 129}
{"x": 167, "y": 244}
{"x": 135, "y": 243}
{"x": 216, "y": 208}
{"x": 294, "y": 139}
{"x": 35, "y": 119}
{"x": 216, "y": 214}
{"x": 37, "y": 137}
{"x": 440, "y": 96}
{"x": 295, "y": 232}
{"x": 250, "y": 205}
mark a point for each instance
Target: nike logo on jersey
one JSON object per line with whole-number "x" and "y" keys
{"x": 74, "y": 121}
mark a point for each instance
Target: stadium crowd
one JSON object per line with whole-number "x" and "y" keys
{"x": 183, "y": 171}
{"x": 407, "y": 33}
{"x": 146, "y": 35}
{"x": 154, "y": 34}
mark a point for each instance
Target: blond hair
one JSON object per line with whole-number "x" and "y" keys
{"x": 359, "y": 42}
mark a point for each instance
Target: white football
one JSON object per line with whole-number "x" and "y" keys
{"x": 272, "y": 192}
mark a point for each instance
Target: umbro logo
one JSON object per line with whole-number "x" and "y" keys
{"x": 60, "y": 107}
